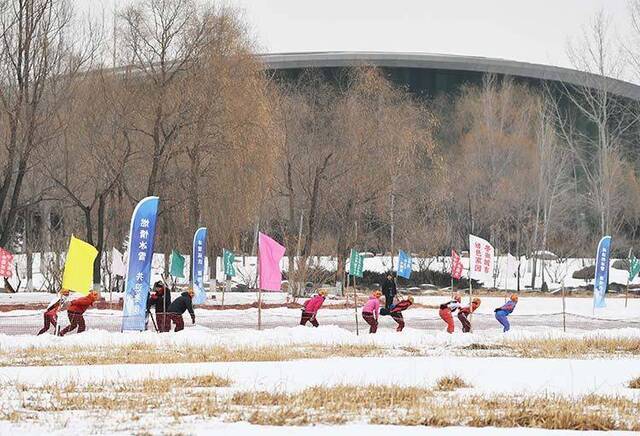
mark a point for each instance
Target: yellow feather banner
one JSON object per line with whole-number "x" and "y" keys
{"x": 78, "y": 268}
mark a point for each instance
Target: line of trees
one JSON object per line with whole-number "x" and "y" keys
{"x": 323, "y": 164}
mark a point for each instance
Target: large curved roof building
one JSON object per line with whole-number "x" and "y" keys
{"x": 431, "y": 74}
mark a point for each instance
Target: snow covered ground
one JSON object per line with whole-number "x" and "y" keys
{"x": 437, "y": 354}
{"x": 486, "y": 375}
{"x": 534, "y": 314}
{"x": 246, "y": 429}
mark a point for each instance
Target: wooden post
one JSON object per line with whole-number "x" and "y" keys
{"x": 564, "y": 306}
{"x": 355, "y": 305}
{"x": 259, "y": 309}
{"x": 470, "y": 287}
{"x": 626, "y": 292}
{"x": 452, "y": 284}
{"x": 227, "y": 285}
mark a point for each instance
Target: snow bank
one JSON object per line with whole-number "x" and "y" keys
{"x": 485, "y": 375}
{"x": 76, "y": 426}
{"x": 299, "y": 336}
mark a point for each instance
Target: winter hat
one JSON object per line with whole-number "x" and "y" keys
{"x": 514, "y": 298}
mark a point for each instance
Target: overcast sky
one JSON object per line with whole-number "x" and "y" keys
{"x": 532, "y": 31}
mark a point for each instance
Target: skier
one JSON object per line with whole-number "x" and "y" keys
{"x": 389, "y": 290}
{"x": 161, "y": 299}
{"x": 179, "y": 306}
{"x": 397, "y": 309}
{"x": 447, "y": 309}
{"x": 51, "y": 312}
{"x": 76, "y": 311}
{"x": 464, "y": 312}
{"x": 371, "y": 311}
{"x": 311, "y": 307}
{"x": 505, "y": 310}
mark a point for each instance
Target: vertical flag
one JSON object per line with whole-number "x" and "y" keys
{"x": 117, "y": 264}
{"x": 269, "y": 255}
{"x": 176, "y": 268}
{"x": 197, "y": 265}
{"x": 356, "y": 264}
{"x": 404, "y": 265}
{"x": 6, "y": 263}
{"x": 141, "y": 237}
{"x": 228, "y": 259}
{"x": 601, "y": 280}
{"x": 634, "y": 268}
{"x": 78, "y": 266}
{"x": 456, "y": 265}
{"x": 480, "y": 258}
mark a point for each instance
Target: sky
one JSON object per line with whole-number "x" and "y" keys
{"x": 521, "y": 30}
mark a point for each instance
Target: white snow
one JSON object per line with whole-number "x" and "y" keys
{"x": 245, "y": 429}
{"x": 499, "y": 375}
{"x": 76, "y": 425}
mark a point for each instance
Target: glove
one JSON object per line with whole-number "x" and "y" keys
{"x": 193, "y": 319}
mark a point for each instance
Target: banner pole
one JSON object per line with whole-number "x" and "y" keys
{"x": 226, "y": 278}
{"x": 470, "y": 286}
{"x": 451, "y": 274}
{"x": 226, "y": 285}
{"x": 626, "y": 293}
{"x": 564, "y": 311}
{"x": 355, "y": 305}
{"x": 259, "y": 308}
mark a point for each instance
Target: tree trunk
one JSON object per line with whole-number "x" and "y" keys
{"x": 97, "y": 264}
{"x": 313, "y": 206}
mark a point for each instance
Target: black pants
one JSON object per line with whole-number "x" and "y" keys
{"x": 466, "y": 324}
{"x": 388, "y": 301}
{"x": 309, "y": 317}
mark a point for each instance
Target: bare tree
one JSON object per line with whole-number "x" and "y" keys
{"x": 37, "y": 62}
{"x": 597, "y": 57}
{"x": 89, "y": 160}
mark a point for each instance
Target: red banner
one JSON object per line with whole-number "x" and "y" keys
{"x": 456, "y": 265}
{"x": 6, "y": 263}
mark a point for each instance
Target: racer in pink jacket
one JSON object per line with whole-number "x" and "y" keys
{"x": 311, "y": 307}
{"x": 371, "y": 311}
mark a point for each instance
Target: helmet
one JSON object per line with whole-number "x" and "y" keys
{"x": 514, "y": 297}
{"x": 377, "y": 294}
{"x": 322, "y": 292}
{"x": 476, "y": 301}
{"x": 457, "y": 297}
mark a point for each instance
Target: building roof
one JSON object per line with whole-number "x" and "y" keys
{"x": 277, "y": 61}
